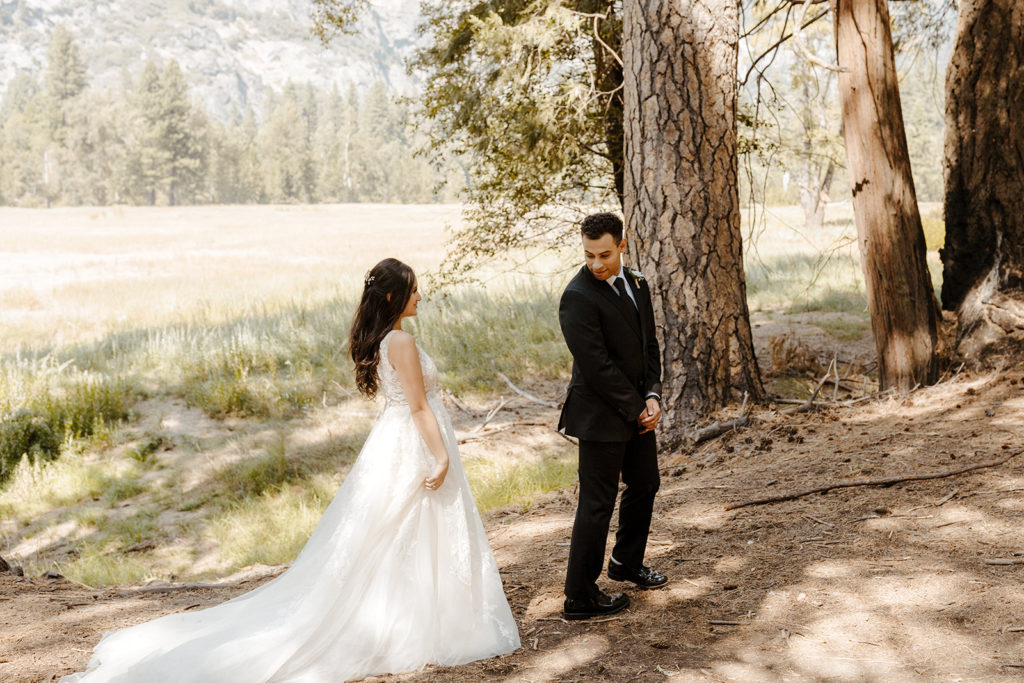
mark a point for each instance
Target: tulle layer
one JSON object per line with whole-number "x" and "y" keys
{"x": 394, "y": 577}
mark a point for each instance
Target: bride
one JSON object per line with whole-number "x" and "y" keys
{"x": 398, "y": 574}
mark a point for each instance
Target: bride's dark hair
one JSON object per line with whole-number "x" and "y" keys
{"x": 376, "y": 316}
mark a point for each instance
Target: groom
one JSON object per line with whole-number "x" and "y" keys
{"x": 612, "y": 406}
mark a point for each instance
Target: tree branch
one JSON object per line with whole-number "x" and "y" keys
{"x": 802, "y": 48}
{"x": 883, "y": 481}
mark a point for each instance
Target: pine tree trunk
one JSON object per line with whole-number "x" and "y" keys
{"x": 902, "y": 302}
{"x": 682, "y": 198}
{"x": 983, "y": 256}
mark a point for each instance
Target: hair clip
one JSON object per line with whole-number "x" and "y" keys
{"x": 368, "y": 279}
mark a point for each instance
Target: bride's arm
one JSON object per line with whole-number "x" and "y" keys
{"x": 405, "y": 359}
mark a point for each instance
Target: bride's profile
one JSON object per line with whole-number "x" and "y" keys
{"x": 398, "y": 573}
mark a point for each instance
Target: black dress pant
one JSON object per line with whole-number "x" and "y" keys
{"x": 601, "y": 463}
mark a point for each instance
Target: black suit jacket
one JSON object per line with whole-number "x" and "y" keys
{"x": 616, "y": 358}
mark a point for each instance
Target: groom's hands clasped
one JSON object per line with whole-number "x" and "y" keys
{"x": 648, "y": 419}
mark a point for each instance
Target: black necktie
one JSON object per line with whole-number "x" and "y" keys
{"x": 620, "y": 284}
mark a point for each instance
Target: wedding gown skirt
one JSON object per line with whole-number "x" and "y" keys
{"x": 394, "y": 577}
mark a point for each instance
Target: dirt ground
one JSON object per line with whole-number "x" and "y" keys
{"x": 892, "y": 583}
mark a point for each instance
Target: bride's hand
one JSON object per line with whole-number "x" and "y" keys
{"x": 436, "y": 477}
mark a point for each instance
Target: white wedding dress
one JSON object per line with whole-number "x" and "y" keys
{"x": 394, "y": 577}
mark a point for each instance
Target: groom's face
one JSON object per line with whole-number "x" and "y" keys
{"x": 604, "y": 255}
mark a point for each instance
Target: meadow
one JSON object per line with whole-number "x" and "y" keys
{"x": 176, "y": 401}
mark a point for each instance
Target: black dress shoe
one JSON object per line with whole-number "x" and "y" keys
{"x": 597, "y": 606}
{"x": 645, "y": 577}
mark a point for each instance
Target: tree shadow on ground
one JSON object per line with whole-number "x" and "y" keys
{"x": 860, "y": 584}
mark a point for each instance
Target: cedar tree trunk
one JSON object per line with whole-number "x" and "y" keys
{"x": 904, "y": 312}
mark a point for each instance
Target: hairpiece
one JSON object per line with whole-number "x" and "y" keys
{"x": 368, "y": 279}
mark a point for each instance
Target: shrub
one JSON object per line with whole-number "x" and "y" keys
{"x": 25, "y": 433}
{"x": 45, "y": 411}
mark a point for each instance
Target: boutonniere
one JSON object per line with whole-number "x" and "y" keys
{"x": 635, "y": 275}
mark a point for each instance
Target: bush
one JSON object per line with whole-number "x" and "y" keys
{"x": 46, "y": 415}
{"x": 25, "y": 433}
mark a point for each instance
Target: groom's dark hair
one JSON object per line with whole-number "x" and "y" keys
{"x": 597, "y": 224}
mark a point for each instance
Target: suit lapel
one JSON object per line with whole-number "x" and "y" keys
{"x": 629, "y": 313}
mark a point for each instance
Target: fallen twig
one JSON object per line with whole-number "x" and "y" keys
{"x": 458, "y": 402}
{"x": 497, "y": 430}
{"x": 490, "y": 415}
{"x": 1003, "y": 561}
{"x": 978, "y": 493}
{"x": 725, "y": 622}
{"x": 526, "y": 395}
{"x": 883, "y": 481}
{"x": 718, "y": 428}
{"x": 175, "y": 589}
{"x": 571, "y": 439}
{"x": 809, "y": 403}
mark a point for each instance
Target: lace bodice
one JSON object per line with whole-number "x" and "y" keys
{"x": 390, "y": 385}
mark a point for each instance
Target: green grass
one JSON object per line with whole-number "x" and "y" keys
{"x": 95, "y": 567}
{"x": 38, "y": 486}
{"x": 498, "y": 483}
{"x": 123, "y": 487}
{"x": 846, "y": 328}
{"x": 44, "y": 406}
{"x": 271, "y": 527}
{"x": 934, "y": 227}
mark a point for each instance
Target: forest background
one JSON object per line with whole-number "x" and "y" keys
{"x": 83, "y": 124}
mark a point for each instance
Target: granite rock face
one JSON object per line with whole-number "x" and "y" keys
{"x": 232, "y": 52}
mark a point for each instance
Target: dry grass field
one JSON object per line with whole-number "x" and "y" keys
{"x": 188, "y": 366}
{"x": 186, "y": 370}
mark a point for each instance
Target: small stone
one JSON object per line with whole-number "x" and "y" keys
{"x": 52, "y": 574}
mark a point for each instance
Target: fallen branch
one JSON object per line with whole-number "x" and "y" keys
{"x": 497, "y": 430}
{"x": 809, "y": 403}
{"x": 717, "y": 428}
{"x": 458, "y": 402}
{"x": 883, "y": 481}
{"x": 490, "y": 415}
{"x": 528, "y": 396}
{"x": 174, "y": 589}
{"x": 571, "y": 439}
{"x": 1003, "y": 561}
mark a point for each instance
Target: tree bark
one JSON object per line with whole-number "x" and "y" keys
{"x": 904, "y": 311}
{"x": 983, "y": 255}
{"x": 682, "y": 199}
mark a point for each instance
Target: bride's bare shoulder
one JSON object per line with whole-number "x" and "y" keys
{"x": 401, "y": 343}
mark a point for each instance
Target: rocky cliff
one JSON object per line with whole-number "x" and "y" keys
{"x": 231, "y": 51}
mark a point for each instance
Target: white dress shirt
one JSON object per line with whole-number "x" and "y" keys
{"x": 629, "y": 290}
